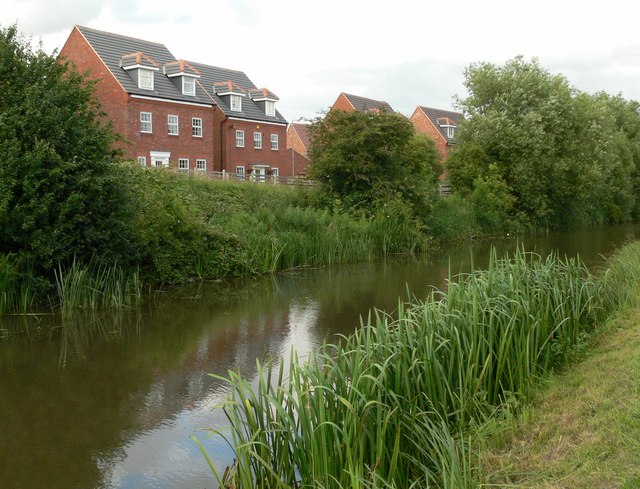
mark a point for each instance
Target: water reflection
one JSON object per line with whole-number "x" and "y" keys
{"x": 110, "y": 401}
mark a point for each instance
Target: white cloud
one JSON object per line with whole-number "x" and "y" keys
{"x": 406, "y": 52}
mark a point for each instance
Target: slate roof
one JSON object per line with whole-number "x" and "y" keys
{"x": 115, "y": 49}
{"x": 363, "y": 104}
{"x": 214, "y": 75}
{"x": 444, "y": 117}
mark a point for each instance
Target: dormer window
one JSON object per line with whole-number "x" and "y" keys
{"x": 141, "y": 68}
{"x": 270, "y": 108}
{"x": 188, "y": 86}
{"x": 145, "y": 79}
{"x": 184, "y": 76}
{"x": 451, "y": 131}
{"x": 236, "y": 103}
{"x": 264, "y": 99}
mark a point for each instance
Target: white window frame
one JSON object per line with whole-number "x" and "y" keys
{"x": 201, "y": 165}
{"x": 274, "y": 142}
{"x": 270, "y": 108}
{"x": 451, "y": 131}
{"x": 235, "y": 103}
{"x": 173, "y": 128}
{"x": 146, "y": 123}
{"x": 183, "y": 163}
{"x": 196, "y": 127}
{"x": 241, "y": 171}
{"x": 239, "y": 139}
{"x": 275, "y": 171}
{"x": 142, "y": 160}
{"x": 145, "y": 83}
{"x": 188, "y": 86}
{"x": 160, "y": 159}
{"x": 257, "y": 140}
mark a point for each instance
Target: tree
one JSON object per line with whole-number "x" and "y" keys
{"x": 61, "y": 195}
{"x": 365, "y": 159}
{"x": 552, "y": 146}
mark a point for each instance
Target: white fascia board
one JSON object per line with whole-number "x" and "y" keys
{"x": 183, "y": 74}
{"x": 170, "y": 101}
{"x": 140, "y": 67}
{"x": 256, "y": 121}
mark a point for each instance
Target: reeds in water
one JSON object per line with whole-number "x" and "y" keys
{"x": 391, "y": 405}
{"x": 17, "y": 295}
{"x": 96, "y": 285}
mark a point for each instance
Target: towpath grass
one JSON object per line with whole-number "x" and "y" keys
{"x": 583, "y": 429}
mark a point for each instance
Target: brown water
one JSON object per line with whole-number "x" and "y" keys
{"x": 111, "y": 402}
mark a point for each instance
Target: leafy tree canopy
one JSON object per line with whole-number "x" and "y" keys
{"x": 60, "y": 191}
{"x": 368, "y": 158}
{"x": 560, "y": 157}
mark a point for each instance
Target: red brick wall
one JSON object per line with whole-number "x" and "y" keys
{"x": 109, "y": 92}
{"x": 294, "y": 141}
{"x": 247, "y": 156}
{"x": 424, "y": 126}
{"x": 184, "y": 145}
{"x": 342, "y": 104}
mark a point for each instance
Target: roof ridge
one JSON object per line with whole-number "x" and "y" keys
{"x": 441, "y": 110}
{"x": 121, "y": 36}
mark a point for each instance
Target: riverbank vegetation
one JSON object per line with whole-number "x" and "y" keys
{"x": 533, "y": 153}
{"x": 400, "y": 401}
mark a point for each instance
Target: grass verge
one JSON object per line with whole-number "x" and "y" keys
{"x": 582, "y": 429}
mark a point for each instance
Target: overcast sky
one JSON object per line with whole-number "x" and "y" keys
{"x": 407, "y": 53}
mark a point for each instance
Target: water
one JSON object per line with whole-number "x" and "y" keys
{"x": 111, "y": 402}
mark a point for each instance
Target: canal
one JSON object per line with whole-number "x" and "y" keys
{"x": 111, "y": 401}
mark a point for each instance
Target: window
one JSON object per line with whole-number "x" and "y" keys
{"x": 183, "y": 164}
{"x": 196, "y": 127}
{"x": 145, "y": 122}
{"x": 275, "y": 172}
{"x": 236, "y": 103}
{"x": 257, "y": 140}
{"x": 274, "y": 142}
{"x": 270, "y": 108}
{"x": 142, "y": 160}
{"x": 239, "y": 139}
{"x": 451, "y": 131}
{"x": 201, "y": 165}
{"x": 145, "y": 79}
{"x": 172, "y": 124}
{"x": 188, "y": 85}
{"x": 240, "y": 172}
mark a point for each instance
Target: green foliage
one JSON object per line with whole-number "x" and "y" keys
{"x": 365, "y": 159}
{"x": 564, "y": 158}
{"x": 393, "y": 404}
{"x": 61, "y": 195}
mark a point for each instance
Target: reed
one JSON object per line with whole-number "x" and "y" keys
{"x": 95, "y": 285}
{"x": 391, "y": 405}
{"x": 17, "y": 294}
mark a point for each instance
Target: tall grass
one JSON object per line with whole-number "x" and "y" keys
{"x": 17, "y": 294}
{"x": 391, "y": 405}
{"x": 95, "y": 285}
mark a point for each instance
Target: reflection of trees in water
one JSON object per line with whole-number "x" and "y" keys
{"x": 74, "y": 394}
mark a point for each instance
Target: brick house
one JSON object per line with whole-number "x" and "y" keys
{"x": 439, "y": 125}
{"x": 349, "y": 103}
{"x": 181, "y": 114}
{"x": 298, "y": 145}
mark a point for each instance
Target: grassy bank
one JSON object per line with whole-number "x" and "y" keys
{"x": 190, "y": 228}
{"x": 582, "y": 429}
{"x": 396, "y": 403}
